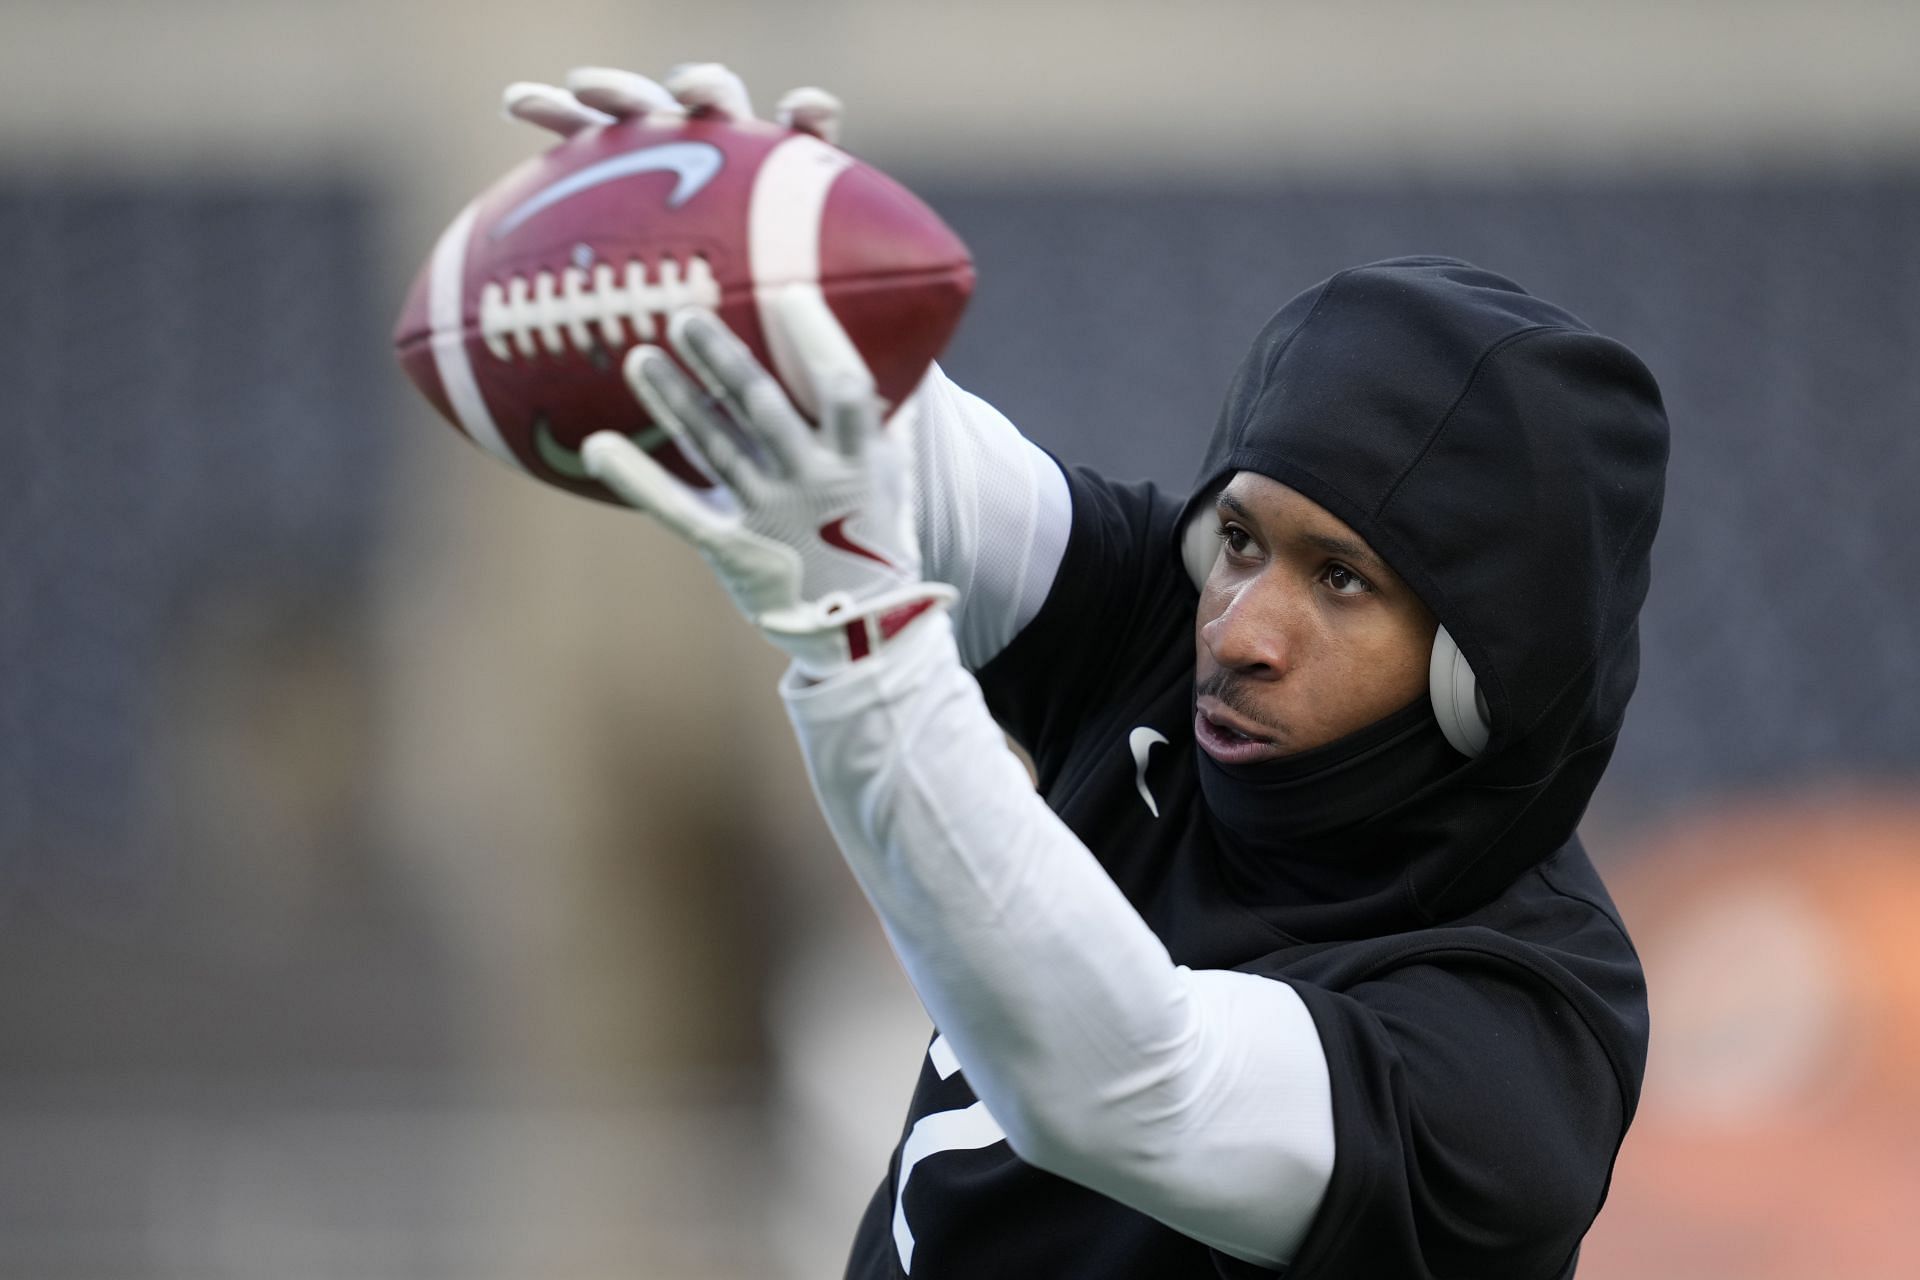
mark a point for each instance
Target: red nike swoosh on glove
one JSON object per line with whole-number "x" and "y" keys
{"x": 834, "y": 535}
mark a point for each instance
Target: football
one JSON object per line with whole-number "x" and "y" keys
{"x": 516, "y": 326}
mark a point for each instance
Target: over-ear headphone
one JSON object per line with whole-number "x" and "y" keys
{"x": 1200, "y": 546}
{"x": 1458, "y": 704}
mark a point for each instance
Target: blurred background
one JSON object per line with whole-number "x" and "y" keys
{"x": 394, "y": 884}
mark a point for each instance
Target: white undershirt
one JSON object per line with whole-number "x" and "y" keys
{"x": 992, "y": 511}
{"x": 1200, "y": 1098}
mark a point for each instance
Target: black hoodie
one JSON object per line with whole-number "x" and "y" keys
{"x": 1481, "y": 1007}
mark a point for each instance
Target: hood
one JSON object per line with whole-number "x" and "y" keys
{"x": 1508, "y": 462}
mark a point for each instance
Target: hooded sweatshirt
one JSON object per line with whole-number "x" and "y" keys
{"x": 1508, "y": 463}
{"x": 1479, "y": 1006}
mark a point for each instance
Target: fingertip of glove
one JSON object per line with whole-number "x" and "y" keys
{"x": 700, "y": 331}
{"x": 594, "y": 452}
{"x": 645, "y": 368}
{"x": 710, "y": 86}
{"x": 597, "y": 448}
{"x": 549, "y": 107}
{"x": 813, "y": 110}
{"x": 635, "y": 360}
{"x": 518, "y": 92}
{"x": 622, "y": 93}
{"x": 683, "y": 322}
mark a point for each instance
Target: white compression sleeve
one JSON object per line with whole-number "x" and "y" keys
{"x": 993, "y": 514}
{"x": 1199, "y": 1098}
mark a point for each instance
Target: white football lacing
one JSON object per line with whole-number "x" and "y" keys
{"x": 567, "y": 309}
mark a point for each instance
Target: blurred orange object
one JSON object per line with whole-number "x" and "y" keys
{"x": 1779, "y": 1134}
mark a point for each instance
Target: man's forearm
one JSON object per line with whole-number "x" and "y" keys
{"x": 1201, "y": 1099}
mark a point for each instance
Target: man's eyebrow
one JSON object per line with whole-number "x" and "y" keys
{"x": 1333, "y": 544}
{"x": 1232, "y": 504}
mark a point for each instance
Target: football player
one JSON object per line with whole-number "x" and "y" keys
{"x": 1294, "y": 961}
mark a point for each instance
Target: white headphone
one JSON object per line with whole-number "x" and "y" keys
{"x": 1458, "y": 703}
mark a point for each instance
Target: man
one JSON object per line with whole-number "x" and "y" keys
{"x": 1294, "y": 961}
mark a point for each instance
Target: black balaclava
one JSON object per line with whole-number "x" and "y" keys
{"x": 1508, "y": 463}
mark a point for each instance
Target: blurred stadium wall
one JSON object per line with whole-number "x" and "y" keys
{"x": 390, "y": 890}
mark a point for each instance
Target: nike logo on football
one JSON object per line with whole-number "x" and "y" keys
{"x": 834, "y": 534}
{"x": 695, "y": 164}
{"x": 1142, "y": 741}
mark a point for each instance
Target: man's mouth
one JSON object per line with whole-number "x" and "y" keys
{"x": 1229, "y": 738}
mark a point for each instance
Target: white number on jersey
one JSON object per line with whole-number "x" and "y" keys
{"x": 965, "y": 1130}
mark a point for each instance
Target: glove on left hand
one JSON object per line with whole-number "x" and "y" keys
{"x": 817, "y": 542}
{"x": 594, "y": 96}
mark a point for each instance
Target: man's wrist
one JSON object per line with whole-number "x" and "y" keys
{"x": 834, "y": 635}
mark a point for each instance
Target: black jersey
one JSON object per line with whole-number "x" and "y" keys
{"x": 1483, "y": 1073}
{"x": 1481, "y": 1007}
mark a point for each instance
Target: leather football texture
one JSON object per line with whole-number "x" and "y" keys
{"x": 516, "y": 326}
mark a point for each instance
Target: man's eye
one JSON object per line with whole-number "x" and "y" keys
{"x": 1234, "y": 537}
{"x": 1345, "y": 581}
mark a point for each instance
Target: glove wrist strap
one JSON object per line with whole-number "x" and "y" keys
{"x": 830, "y": 634}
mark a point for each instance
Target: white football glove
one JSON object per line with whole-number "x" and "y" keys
{"x": 601, "y": 95}
{"x": 813, "y": 534}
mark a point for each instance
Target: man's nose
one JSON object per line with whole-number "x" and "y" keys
{"x": 1250, "y": 635}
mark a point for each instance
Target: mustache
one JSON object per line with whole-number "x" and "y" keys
{"x": 1237, "y": 696}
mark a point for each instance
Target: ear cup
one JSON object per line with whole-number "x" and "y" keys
{"x": 1458, "y": 704}
{"x": 1200, "y": 545}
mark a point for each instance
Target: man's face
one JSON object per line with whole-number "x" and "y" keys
{"x": 1304, "y": 634}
